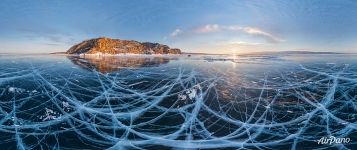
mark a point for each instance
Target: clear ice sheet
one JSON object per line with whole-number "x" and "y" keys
{"x": 199, "y": 103}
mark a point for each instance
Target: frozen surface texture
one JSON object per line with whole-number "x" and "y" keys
{"x": 286, "y": 102}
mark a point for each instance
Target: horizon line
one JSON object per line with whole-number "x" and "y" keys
{"x": 203, "y": 53}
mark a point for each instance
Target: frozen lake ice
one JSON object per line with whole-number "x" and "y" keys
{"x": 164, "y": 102}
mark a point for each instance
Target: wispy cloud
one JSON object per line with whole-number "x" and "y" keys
{"x": 248, "y": 30}
{"x": 208, "y": 28}
{"x": 176, "y": 32}
{"x": 243, "y": 43}
{"x": 47, "y": 34}
{"x": 258, "y": 32}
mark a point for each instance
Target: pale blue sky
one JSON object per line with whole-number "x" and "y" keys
{"x": 212, "y": 26}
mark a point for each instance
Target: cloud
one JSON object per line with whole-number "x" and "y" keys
{"x": 242, "y": 43}
{"x": 47, "y": 34}
{"x": 215, "y": 28}
{"x": 176, "y": 32}
{"x": 248, "y": 30}
{"x": 258, "y": 32}
{"x": 208, "y": 28}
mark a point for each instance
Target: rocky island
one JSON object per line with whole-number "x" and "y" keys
{"x": 116, "y": 46}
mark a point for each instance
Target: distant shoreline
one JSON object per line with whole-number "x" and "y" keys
{"x": 274, "y": 53}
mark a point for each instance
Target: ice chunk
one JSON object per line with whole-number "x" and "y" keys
{"x": 16, "y": 90}
{"x": 49, "y": 115}
{"x": 182, "y": 97}
{"x": 192, "y": 93}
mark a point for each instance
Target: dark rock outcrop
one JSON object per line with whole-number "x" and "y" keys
{"x": 116, "y": 46}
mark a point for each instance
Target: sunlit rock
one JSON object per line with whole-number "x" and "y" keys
{"x": 104, "y": 45}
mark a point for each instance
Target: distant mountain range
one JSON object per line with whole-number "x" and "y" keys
{"x": 116, "y": 46}
{"x": 292, "y": 52}
{"x": 270, "y": 53}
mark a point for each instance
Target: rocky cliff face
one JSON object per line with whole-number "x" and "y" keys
{"x": 116, "y": 46}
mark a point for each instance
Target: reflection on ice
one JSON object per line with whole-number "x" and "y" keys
{"x": 106, "y": 64}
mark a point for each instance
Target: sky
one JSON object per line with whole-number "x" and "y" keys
{"x": 202, "y": 26}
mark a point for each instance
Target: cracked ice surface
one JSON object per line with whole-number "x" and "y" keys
{"x": 187, "y": 103}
